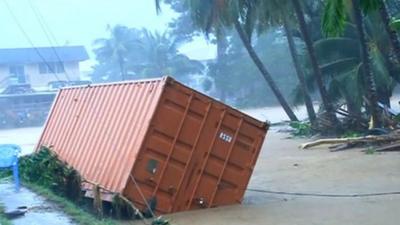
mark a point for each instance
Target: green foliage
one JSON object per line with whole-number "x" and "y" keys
{"x": 77, "y": 213}
{"x": 131, "y": 53}
{"x": 370, "y": 151}
{"x": 301, "y": 129}
{"x": 334, "y": 17}
{"x": 160, "y": 221}
{"x": 240, "y": 83}
{"x": 5, "y": 174}
{"x": 370, "y": 5}
{"x": 3, "y": 219}
{"x": 395, "y": 24}
{"x": 45, "y": 169}
{"x": 341, "y": 64}
{"x": 351, "y": 134}
{"x": 48, "y": 176}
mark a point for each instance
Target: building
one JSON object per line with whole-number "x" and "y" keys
{"x": 39, "y": 67}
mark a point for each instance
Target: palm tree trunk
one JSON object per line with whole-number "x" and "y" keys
{"x": 121, "y": 67}
{"x": 368, "y": 76}
{"x": 222, "y": 45}
{"x": 317, "y": 71}
{"x": 394, "y": 40}
{"x": 299, "y": 73}
{"x": 267, "y": 76}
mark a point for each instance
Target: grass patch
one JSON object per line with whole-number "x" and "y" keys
{"x": 3, "y": 219}
{"x": 370, "y": 151}
{"x": 351, "y": 134}
{"x": 301, "y": 129}
{"x": 76, "y": 213}
{"x": 46, "y": 175}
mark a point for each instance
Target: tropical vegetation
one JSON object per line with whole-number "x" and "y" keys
{"x": 342, "y": 54}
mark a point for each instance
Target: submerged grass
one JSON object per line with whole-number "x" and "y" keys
{"x": 46, "y": 175}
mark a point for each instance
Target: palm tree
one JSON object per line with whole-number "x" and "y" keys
{"x": 142, "y": 54}
{"x": 115, "y": 48}
{"x": 267, "y": 76}
{"x": 341, "y": 64}
{"x": 211, "y": 15}
{"x": 394, "y": 39}
{"x": 314, "y": 62}
{"x": 275, "y": 13}
{"x": 157, "y": 54}
{"x": 299, "y": 72}
{"x": 334, "y": 22}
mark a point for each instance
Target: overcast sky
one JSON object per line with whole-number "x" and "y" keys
{"x": 80, "y": 22}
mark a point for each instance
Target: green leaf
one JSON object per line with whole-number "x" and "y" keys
{"x": 334, "y": 17}
{"x": 395, "y": 24}
{"x": 339, "y": 66}
{"x": 331, "y": 49}
{"x": 370, "y": 5}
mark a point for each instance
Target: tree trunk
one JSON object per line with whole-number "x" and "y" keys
{"x": 264, "y": 72}
{"x": 299, "y": 73}
{"x": 121, "y": 67}
{"x": 391, "y": 68}
{"x": 368, "y": 76}
{"x": 222, "y": 45}
{"x": 313, "y": 59}
{"x": 394, "y": 41}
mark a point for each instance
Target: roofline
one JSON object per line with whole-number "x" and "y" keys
{"x": 68, "y": 46}
{"x": 162, "y": 78}
{"x": 166, "y": 79}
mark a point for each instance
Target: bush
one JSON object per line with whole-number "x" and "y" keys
{"x": 43, "y": 168}
{"x": 301, "y": 128}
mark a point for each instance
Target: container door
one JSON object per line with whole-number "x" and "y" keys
{"x": 224, "y": 164}
{"x": 193, "y": 173}
{"x": 170, "y": 146}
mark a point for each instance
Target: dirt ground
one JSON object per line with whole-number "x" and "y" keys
{"x": 283, "y": 167}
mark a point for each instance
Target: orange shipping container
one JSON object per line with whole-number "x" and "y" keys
{"x": 156, "y": 140}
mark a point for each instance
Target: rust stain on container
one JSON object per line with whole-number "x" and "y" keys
{"x": 156, "y": 140}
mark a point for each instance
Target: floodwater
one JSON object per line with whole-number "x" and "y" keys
{"x": 28, "y": 137}
{"x": 40, "y": 211}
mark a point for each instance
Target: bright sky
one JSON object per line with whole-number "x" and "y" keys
{"x": 80, "y": 22}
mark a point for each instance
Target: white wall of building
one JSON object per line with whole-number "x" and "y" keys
{"x": 39, "y": 80}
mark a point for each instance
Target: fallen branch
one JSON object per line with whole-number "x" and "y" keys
{"x": 353, "y": 141}
{"x": 389, "y": 148}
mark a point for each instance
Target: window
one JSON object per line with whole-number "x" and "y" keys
{"x": 51, "y": 67}
{"x": 16, "y": 71}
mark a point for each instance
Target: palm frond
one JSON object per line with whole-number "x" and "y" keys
{"x": 331, "y": 49}
{"x": 339, "y": 66}
{"x": 395, "y": 24}
{"x": 370, "y": 5}
{"x": 334, "y": 17}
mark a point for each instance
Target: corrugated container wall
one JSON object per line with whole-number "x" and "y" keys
{"x": 156, "y": 142}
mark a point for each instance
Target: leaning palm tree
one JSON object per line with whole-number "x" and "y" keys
{"x": 211, "y": 15}
{"x": 327, "y": 103}
{"x": 274, "y": 13}
{"x": 334, "y": 20}
{"x": 341, "y": 64}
